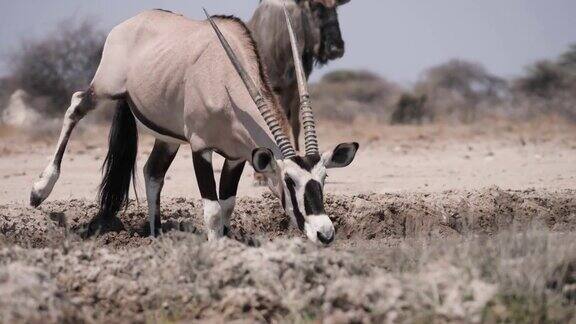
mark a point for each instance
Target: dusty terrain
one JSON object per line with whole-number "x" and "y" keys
{"x": 435, "y": 223}
{"x": 391, "y": 159}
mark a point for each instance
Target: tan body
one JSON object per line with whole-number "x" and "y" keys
{"x": 172, "y": 68}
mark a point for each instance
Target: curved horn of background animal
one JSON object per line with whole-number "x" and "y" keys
{"x": 280, "y": 137}
{"x": 306, "y": 113}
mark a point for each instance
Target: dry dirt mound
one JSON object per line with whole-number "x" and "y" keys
{"x": 367, "y": 217}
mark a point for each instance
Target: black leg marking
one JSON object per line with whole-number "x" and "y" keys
{"x": 205, "y": 174}
{"x": 231, "y": 173}
{"x": 158, "y": 163}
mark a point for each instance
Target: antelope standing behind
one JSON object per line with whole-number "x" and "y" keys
{"x": 317, "y": 28}
{"x": 171, "y": 76}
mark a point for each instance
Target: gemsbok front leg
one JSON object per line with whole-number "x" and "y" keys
{"x": 229, "y": 179}
{"x": 154, "y": 173}
{"x": 205, "y": 176}
{"x": 81, "y": 103}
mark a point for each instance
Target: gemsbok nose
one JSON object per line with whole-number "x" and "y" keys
{"x": 325, "y": 239}
{"x": 336, "y": 51}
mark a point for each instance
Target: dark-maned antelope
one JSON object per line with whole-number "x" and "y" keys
{"x": 317, "y": 28}
{"x": 170, "y": 76}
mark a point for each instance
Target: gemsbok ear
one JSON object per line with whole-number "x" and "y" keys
{"x": 263, "y": 160}
{"x": 343, "y": 2}
{"x": 341, "y": 156}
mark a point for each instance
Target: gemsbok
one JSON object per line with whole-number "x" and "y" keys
{"x": 317, "y": 27}
{"x": 172, "y": 77}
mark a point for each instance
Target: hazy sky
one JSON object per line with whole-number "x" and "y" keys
{"x": 397, "y": 39}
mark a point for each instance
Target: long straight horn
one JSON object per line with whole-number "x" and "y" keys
{"x": 280, "y": 137}
{"x": 306, "y": 113}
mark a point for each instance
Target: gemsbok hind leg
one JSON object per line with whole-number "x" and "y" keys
{"x": 205, "y": 176}
{"x": 229, "y": 179}
{"x": 81, "y": 103}
{"x": 154, "y": 172}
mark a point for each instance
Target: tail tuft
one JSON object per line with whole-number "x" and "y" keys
{"x": 119, "y": 166}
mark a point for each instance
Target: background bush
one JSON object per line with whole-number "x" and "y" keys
{"x": 549, "y": 87}
{"x": 56, "y": 66}
{"x": 456, "y": 91}
{"x": 345, "y": 95}
{"x": 50, "y": 69}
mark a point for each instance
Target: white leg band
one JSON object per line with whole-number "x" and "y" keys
{"x": 213, "y": 219}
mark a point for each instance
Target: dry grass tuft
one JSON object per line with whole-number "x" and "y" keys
{"x": 511, "y": 277}
{"x": 502, "y": 263}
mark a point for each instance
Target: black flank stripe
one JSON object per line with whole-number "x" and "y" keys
{"x": 148, "y": 123}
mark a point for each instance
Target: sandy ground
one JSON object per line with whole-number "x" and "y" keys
{"x": 434, "y": 224}
{"x": 391, "y": 159}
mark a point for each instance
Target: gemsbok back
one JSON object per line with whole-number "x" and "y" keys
{"x": 172, "y": 77}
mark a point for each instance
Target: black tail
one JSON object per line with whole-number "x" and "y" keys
{"x": 118, "y": 168}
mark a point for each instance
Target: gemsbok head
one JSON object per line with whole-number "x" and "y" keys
{"x": 325, "y": 17}
{"x": 299, "y": 180}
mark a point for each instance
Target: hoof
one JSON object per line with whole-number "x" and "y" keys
{"x": 100, "y": 225}
{"x": 145, "y": 231}
{"x": 35, "y": 200}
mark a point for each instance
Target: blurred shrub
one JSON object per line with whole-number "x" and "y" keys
{"x": 457, "y": 90}
{"x": 345, "y": 95}
{"x": 349, "y": 76}
{"x": 549, "y": 86}
{"x": 411, "y": 109}
{"x": 56, "y": 66}
{"x": 7, "y": 87}
{"x": 544, "y": 79}
{"x": 568, "y": 59}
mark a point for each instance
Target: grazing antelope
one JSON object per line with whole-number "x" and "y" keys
{"x": 316, "y": 25}
{"x": 171, "y": 77}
